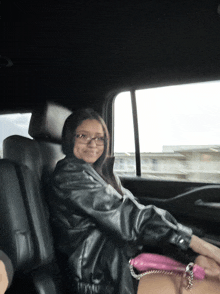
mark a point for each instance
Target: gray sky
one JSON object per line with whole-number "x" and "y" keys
{"x": 174, "y": 115}
{"x": 12, "y": 124}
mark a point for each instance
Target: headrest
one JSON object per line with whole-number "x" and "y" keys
{"x": 23, "y": 151}
{"x": 47, "y": 122}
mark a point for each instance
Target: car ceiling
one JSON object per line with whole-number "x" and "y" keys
{"x": 80, "y": 52}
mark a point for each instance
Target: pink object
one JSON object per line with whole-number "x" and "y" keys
{"x": 147, "y": 261}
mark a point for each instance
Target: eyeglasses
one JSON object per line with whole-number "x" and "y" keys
{"x": 85, "y": 139}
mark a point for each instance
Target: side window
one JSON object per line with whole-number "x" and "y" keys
{"x": 13, "y": 124}
{"x": 124, "y": 147}
{"x": 176, "y": 135}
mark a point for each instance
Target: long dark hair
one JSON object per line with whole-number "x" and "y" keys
{"x": 69, "y": 131}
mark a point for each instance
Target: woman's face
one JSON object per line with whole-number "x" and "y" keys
{"x": 89, "y": 143}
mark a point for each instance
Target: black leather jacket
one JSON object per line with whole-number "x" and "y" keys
{"x": 99, "y": 230}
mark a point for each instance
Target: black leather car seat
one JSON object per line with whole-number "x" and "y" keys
{"x": 24, "y": 231}
{"x": 24, "y": 171}
{"x": 42, "y": 152}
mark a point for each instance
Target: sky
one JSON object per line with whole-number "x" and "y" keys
{"x": 173, "y": 115}
{"x": 11, "y": 124}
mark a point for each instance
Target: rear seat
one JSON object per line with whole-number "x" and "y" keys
{"x": 25, "y": 232}
{"x": 42, "y": 152}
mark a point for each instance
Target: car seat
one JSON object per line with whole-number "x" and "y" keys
{"x": 42, "y": 152}
{"x": 26, "y": 165}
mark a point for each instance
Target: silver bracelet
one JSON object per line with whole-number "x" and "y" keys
{"x": 189, "y": 275}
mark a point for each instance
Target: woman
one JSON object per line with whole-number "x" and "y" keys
{"x": 98, "y": 224}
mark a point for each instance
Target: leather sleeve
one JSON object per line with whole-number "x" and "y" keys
{"x": 78, "y": 186}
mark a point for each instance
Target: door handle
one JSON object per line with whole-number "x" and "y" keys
{"x": 200, "y": 202}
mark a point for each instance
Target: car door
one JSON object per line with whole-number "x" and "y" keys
{"x": 166, "y": 148}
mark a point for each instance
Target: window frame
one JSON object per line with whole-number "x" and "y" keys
{"x": 108, "y": 114}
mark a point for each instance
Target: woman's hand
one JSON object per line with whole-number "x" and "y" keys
{"x": 3, "y": 278}
{"x": 209, "y": 257}
{"x": 212, "y": 269}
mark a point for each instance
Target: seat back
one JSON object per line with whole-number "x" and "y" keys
{"x": 24, "y": 231}
{"x": 42, "y": 152}
{"x": 24, "y": 170}
{"x": 21, "y": 205}
{"x": 15, "y": 229}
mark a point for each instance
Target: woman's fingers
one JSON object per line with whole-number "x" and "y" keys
{"x": 211, "y": 267}
{"x": 204, "y": 248}
{"x": 212, "y": 273}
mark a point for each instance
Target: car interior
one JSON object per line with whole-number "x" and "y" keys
{"x": 60, "y": 56}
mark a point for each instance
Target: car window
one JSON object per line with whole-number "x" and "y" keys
{"x": 178, "y": 132}
{"x": 13, "y": 124}
{"x": 124, "y": 136}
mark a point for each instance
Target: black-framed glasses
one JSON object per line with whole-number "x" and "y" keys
{"x": 85, "y": 139}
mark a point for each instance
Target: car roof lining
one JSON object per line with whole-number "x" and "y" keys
{"x": 78, "y": 52}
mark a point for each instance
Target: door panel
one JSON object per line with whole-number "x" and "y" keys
{"x": 193, "y": 204}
